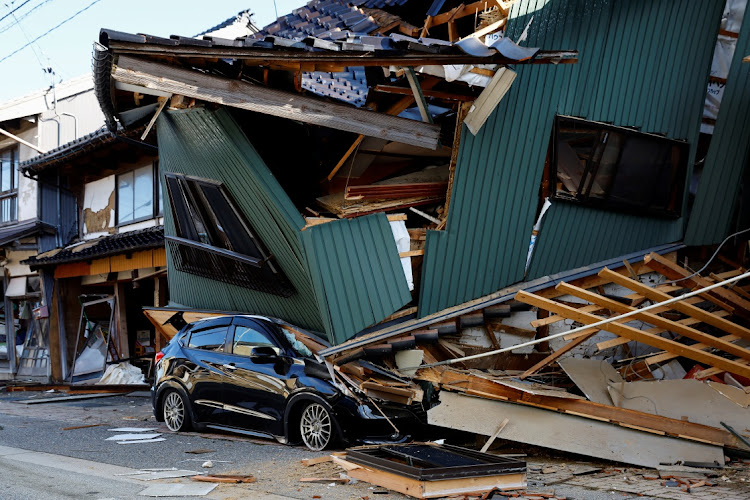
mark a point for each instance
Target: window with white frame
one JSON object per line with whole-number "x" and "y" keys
{"x": 8, "y": 185}
{"x": 138, "y": 195}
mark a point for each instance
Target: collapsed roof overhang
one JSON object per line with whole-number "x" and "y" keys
{"x": 220, "y": 71}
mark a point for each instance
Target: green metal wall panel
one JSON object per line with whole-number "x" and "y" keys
{"x": 728, "y": 154}
{"x": 641, "y": 64}
{"x": 355, "y": 263}
{"x": 209, "y": 144}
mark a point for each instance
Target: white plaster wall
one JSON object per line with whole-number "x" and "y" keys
{"x": 96, "y": 197}
{"x": 14, "y": 258}
{"x": 141, "y": 225}
{"x": 83, "y": 106}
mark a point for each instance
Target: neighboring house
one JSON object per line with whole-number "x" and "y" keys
{"x": 242, "y": 178}
{"x": 34, "y": 123}
{"x": 115, "y": 263}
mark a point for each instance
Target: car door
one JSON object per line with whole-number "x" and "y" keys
{"x": 256, "y": 396}
{"x": 205, "y": 375}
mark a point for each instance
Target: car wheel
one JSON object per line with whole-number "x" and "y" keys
{"x": 317, "y": 427}
{"x": 175, "y": 411}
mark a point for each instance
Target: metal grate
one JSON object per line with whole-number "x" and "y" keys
{"x": 228, "y": 267}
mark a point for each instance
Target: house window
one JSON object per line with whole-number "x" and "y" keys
{"x": 138, "y": 195}
{"x": 615, "y": 168}
{"x": 8, "y": 185}
{"x": 215, "y": 240}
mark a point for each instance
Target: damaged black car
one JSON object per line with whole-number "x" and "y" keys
{"x": 250, "y": 375}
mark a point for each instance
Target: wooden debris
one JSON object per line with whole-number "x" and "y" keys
{"x": 225, "y": 478}
{"x": 307, "y": 462}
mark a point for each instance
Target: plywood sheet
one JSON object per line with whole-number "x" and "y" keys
{"x": 693, "y": 400}
{"x": 567, "y": 433}
{"x": 591, "y": 376}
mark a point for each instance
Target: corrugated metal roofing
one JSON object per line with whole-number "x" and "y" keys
{"x": 210, "y": 144}
{"x": 642, "y": 64}
{"x": 357, "y": 272}
{"x": 728, "y": 154}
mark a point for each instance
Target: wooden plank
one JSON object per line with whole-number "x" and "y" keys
{"x": 463, "y": 110}
{"x": 653, "y": 319}
{"x": 488, "y": 29}
{"x": 411, "y": 77}
{"x": 687, "y": 321}
{"x": 686, "y": 308}
{"x": 635, "y": 334}
{"x": 437, "y": 94}
{"x": 274, "y": 102}
{"x": 162, "y": 102}
{"x": 494, "y": 436}
{"x": 489, "y": 99}
{"x": 674, "y": 272}
{"x": 411, "y": 253}
{"x": 346, "y": 156}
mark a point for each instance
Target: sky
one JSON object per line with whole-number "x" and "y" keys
{"x": 67, "y": 48}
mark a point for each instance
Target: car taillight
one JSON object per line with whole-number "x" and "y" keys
{"x": 158, "y": 357}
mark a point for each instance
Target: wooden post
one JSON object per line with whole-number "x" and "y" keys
{"x": 121, "y": 320}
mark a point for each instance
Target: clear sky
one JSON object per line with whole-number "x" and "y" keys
{"x": 67, "y": 49}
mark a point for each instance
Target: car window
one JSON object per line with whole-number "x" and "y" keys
{"x": 247, "y": 337}
{"x": 210, "y": 339}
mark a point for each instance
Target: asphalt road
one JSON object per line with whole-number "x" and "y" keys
{"x": 60, "y": 450}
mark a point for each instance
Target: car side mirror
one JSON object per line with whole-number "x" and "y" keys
{"x": 264, "y": 352}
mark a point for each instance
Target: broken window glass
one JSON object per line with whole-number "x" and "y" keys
{"x": 617, "y": 168}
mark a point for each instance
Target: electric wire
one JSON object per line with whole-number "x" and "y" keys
{"x": 23, "y": 16}
{"x": 14, "y": 10}
{"x": 51, "y": 30}
{"x": 709, "y": 260}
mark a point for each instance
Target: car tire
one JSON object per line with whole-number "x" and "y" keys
{"x": 317, "y": 427}
{"x": 176, "y": 411}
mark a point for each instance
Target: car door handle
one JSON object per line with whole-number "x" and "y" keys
{"x": 229, "y": 366}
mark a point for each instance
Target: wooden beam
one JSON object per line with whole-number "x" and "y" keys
{"x": 494, "y": 436}
{"x": 162, "y": 102}
{"x": 674, "y": 272}
{"x": 489, "y": 99}
{"x": 274, "y": 102}
{"x": 463, "y": 110}
{"x": 656, "y": 331}
{"x": 682, "y": 306}
{"x": 635, "y": 334}
{"x": 411, "y": 253}
{"x": 424, "y": 112}
{"x": 436, "y": 94}
{"x": 21, "y": 141}
{"x": 655, "y": 320}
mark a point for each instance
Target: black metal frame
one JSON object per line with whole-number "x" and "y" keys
{"x": 677, "y": 187}
{"x": 396, "y": 459}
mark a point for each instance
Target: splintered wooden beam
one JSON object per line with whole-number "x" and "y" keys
{"x": 689, "y": 309}
{"x": 274, "y": 102}
{"x": 655, "y": 320}
{"x": 674, "y": 272}
{"x": 634, "y": 334}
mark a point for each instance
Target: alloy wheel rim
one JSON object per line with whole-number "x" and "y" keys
{"x": 316, "y": 427}
{"x": 174, "y": 411}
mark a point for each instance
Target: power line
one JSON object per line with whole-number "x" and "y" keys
{"x": 22, "y": 17}
{"x": 12, "y": 11}
{"x": 50, "y": 30}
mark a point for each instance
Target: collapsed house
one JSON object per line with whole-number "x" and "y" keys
{"x": 424, "y": 190}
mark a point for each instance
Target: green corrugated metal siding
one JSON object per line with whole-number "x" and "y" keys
{"x": 642, "y": 64}
{"x": 210, "y": 144}
{"x": 728, "y": 154}
{"x": 354, "y": 262}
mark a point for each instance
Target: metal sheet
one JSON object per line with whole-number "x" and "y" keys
{"x": 727, "y": 157}
{"x": 641, "y": 64}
